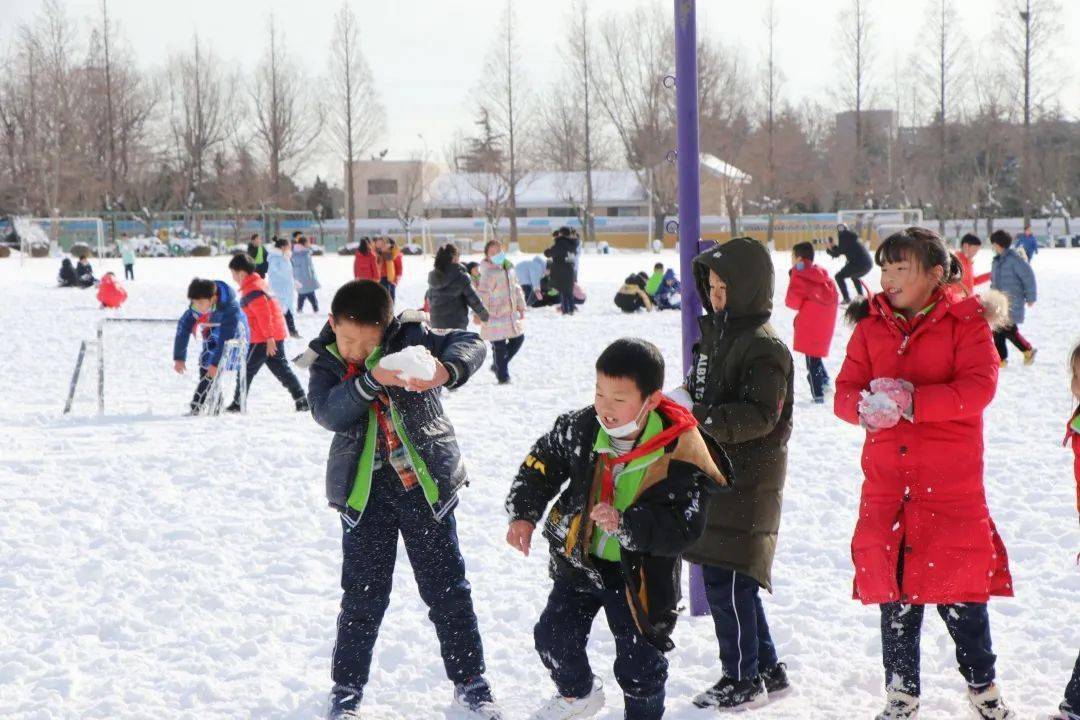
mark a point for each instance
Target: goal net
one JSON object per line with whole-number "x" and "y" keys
{"x": 44, "y": 236}
{"x": 127, "y": 369}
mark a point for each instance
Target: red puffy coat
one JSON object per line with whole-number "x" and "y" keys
{"x": 923, "y": 493}
{"x": 366, "y": 267}
{"x": 263, "y": 312}
{"x": 110, "y": 292}
{"x": 1073, "y": 437}
{"x": 968, "y": 276}
{"x": 813, "y": 294}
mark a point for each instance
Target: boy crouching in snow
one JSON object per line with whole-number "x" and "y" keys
{"x": 394, "y": 469}
{"x": 633, "y": 469}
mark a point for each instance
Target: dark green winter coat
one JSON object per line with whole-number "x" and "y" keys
{"x": 741, "y": 385}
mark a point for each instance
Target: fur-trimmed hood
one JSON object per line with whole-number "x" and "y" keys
{"x": 992, "y": 305}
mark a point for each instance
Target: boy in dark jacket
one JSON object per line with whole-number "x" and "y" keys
{"x": 857, "y": 260}
{"x": 267, "y": 341}
{"x": 633, "y": 470}
{"x": 394, "y": 469}
{"x": 563, "y": 253}
{"x": 214, "y": 312}
{"x": 740, "y": 384}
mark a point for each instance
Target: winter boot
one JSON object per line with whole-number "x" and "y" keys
{"x": 474, "y": 696}
{"x": 988, "y": 705}
{"x": 1029, "y": 356}
{"x": 561, "y": 708}
{"x": 344, "y": 704}
{"x": 776, "y": 681}
{"x": 899, "y": 706}
{"x": 729, "y": 695}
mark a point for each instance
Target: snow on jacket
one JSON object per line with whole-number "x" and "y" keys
{"x": 1027, "y": 243}
{"x": 814, "y": 297}
{"x": 741, "y": 383}
{"x": 110, "y": 292}
{"x": 282, "y": 283}
{"x": 224, "y": 322}
{"x": 923, "y": 503}
{"x": 855, "y": 253}
{"x": 451, "y": 294}
{"x": 968, "y": 277}
{"x": 304, "y": 270}
{"x": 339, "y": 405}
{"x": 502, "y": 297}
{"x": 530, "y": 272}
{"x": 1010, "y": 274}
{"x": 263, "y": 313}
{"x": 666, "y": 515}
{"x": 366, "y": 266}
{"x": 563, "y": 254}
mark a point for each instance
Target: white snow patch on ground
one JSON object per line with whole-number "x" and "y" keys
{"x": 153, "y": 565}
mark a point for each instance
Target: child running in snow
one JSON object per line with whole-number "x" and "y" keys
{"x": 629, "y": 504}
{"x": 969, "y": 248}
{"x": 214, "y": 312}
{"x": 395, "y": 469}
{"x": 919, "y": 372}
{"x": 1070, "y": 706}
{"x": 267, "y": 343}
{"x": 812, "y": 294}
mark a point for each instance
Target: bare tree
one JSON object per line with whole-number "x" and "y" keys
{"x": 356, "y": 116}
{"x": 407, "y": 204}
{"x": 771, "y": 82}
{"x": 504, "y": 96}
{"x": 200, "y": 97}
{"x": 856, "y": 61}
{"x": 1028, "y": 30}
{"x": 287, "y": 119}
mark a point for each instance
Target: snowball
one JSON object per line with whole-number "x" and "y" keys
{"x": 413, "y": 363}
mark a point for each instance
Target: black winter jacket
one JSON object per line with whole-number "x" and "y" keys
{"x": 668, "y": 515}
{"x": 855, "y": 253}
{"x": 342, "y": 406}
{"x": 451, "y": 294}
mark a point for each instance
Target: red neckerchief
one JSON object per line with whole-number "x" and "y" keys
{"x": 204, "y": 318}
{"x": 681, "y": 421}
{"x": 351, "y": 370}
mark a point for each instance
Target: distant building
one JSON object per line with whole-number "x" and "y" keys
{"x": 384, "y": 188}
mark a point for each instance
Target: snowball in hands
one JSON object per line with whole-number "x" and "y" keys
{"x": 413, "y": 363}
{"x": 885, "y": 403}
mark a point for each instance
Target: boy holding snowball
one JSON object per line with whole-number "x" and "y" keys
{"x": 395, "y": 468}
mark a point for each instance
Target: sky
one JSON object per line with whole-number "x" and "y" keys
{"x": 428, "y": 55}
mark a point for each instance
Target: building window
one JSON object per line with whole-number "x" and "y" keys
{"x": 381, "y": 214}
{"x": 561, "y": 212}
{"x": 455, "y": 213}
{"x": 382, "y": 187}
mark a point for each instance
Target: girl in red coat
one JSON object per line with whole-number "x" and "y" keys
{"x": 366, "y": 262}
{"x": 111, "y": 294}
{"x": 920, "y": 369}
{"x": 812, "y": 293}
{"x": 1070, "y": 706}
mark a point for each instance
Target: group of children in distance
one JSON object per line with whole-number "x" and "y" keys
{"x": 661, "y": 290}
{"x": 260, "y": 316}
{"x": 641, "y": 478}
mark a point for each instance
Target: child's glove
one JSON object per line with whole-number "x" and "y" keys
{"x": 878, "y": 411}
{"x": 899, "y": 391}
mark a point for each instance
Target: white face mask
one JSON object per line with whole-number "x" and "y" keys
{"x": 626, "y": 430}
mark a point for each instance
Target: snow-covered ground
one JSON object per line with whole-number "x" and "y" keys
{"x": 153, "y": 565}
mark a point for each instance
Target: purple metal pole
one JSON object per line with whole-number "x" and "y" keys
{"x": 686, "y": 118}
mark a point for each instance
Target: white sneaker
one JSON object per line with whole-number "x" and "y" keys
{"x": 560, "y": 708}
{"x": 899, "y": 706}
{"x": 988, "y": 705}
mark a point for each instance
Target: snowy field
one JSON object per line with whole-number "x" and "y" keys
{"x": 153, "y": 565}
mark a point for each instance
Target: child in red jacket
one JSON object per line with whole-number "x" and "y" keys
{"x": 111, "y": 294}
{"x": 969, "y": 248}
{"x": 813, "y": 295}
{"x": 920, "y": 370}
{"x": 1070, "y": 706}
{"x": 267, "y": 342}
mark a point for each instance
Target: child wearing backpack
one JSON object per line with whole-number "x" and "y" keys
{"x": 920, "y": 370}
{"x": 1070, "y": 706}
{"x": 631, "y": 472}
{"x": 812, "y": 294}
{"x": 395, "y": 468}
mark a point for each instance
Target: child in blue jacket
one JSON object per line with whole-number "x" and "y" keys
{"x": 215, "y": 314}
